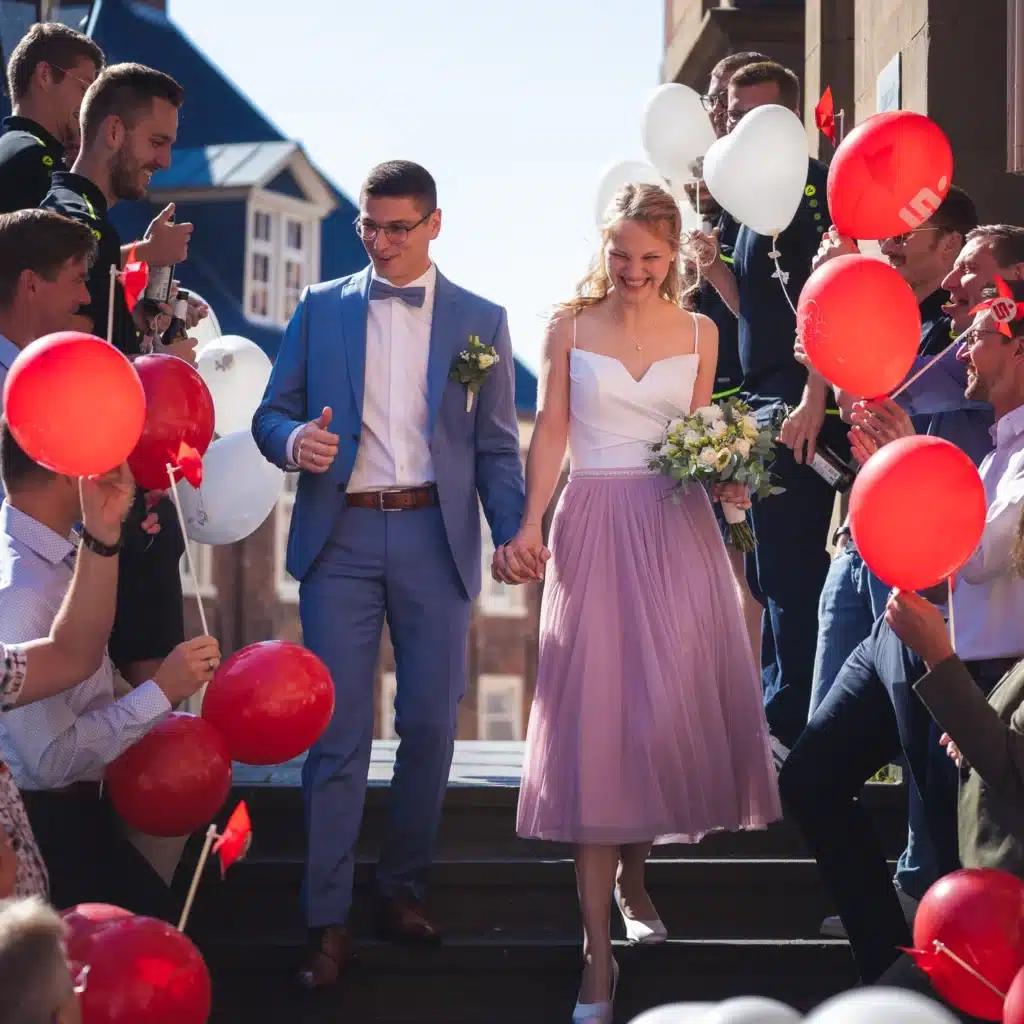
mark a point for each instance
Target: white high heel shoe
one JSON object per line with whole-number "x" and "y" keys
{"x": 642, "y": 933}
{"x": 597, "y": 1013}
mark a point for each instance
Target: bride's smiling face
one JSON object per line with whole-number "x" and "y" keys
{"x": 638, "y": 260}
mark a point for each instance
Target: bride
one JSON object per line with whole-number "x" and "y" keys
{"x": 647, "y": 723}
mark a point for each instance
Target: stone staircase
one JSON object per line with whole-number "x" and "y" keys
{"x": 743, "y": 912}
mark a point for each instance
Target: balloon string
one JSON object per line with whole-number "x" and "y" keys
{"x": 110, "y": 306}
{"x": 211, "y": 834}
{"x": 952, "y": 627}
{"x": 927, "y": 366}
{"x": 942, "y": 948}
{"x": 774, "y": 256}
{"x": 188, "y": 548}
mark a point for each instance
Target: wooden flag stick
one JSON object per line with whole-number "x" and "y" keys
{"x": 927, "y": 366}
{"x": 110, "y": 305}
{"x": 211, "y": 835}
{"x": 952, "y": 627}
{"x": 188, "y": 547}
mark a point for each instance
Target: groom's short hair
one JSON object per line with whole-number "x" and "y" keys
{"x": 402, "y": 178}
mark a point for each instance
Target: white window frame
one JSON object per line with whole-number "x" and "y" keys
{"x": 286, "y": 586}
{"x": 388, "y": 690}
{"x": 1015, "y": 86}
{"x": 281, "y": 209}
{"x": 498, "y": 600}
{"x": 206, "y": 588}
{"x": 488, "y": 684}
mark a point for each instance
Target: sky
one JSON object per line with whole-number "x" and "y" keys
{"x": 515, "y": 107}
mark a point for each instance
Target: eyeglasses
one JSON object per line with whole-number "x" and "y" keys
{"x": 78, "y": 78}
{"x": 734, "y": 117}
{"x": 901, "y": 240}
{"x": 394, "y": 233}
{"x": 715, "y": 100}
{"x": 977, "y": 335}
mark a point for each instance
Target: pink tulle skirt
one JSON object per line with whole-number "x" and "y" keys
{"x": 647, "y": 723}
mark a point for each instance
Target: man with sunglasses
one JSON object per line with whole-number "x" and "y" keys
{"x": 392, "y": 454}
{"x": 47, "y": 77}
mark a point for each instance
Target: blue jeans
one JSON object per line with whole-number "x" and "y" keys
{"x": 852, "y": 600}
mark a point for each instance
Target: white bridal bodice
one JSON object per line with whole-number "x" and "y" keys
{"x": 613, "y": 418}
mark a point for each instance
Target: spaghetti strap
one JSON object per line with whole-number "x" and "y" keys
{"x": 575, "y": 315}
{"x": 696, "y": 333}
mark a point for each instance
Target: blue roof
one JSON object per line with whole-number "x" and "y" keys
{"x": 219, "y": 133}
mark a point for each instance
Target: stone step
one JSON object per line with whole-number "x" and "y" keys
{"x": 479, "y": 822}
{"x": 728, "y": 898}
{"x": 474, "y": 980}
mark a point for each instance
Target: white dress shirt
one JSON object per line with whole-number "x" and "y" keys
{"x": 72, "y": 736}
{"x": 988, "y": 600}
{"x": 394, "y": 447}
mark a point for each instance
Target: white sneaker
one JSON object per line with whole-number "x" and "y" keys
{"x": 833, "y": 928}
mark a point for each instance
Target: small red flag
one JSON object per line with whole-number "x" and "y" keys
{"x": 234, "y": 842}
{"x": 1003, "y": 308}
{"x": 825, "y": 115}
{"x": 134, "y": 279}
{"x": 190, "y": 462}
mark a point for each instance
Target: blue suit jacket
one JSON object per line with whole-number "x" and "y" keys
{"x": 322, "y": 362}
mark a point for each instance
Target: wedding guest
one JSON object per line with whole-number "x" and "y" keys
{"x": 791, "y": 528}
{"x": 647, "y": 724}
{"x": 871, "y": 715}
{"x": 57, "y": 748}
{"x": 35, "y": 976}
{"x": 47, "y": 75}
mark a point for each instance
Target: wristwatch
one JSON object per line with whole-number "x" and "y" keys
{"x": 843, "y": 531}
{"x": 97, "y": 547}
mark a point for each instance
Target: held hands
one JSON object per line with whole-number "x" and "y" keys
{"x": 952, "y": 750}
{"x": 800, "y": 430}
{"x": 731, "y": 493}
{"x": 833, "y": 244}
{"x": 919, "y": 625}
{"x": 523, "y": 558}
{"x": 705, "y": 248}
{"x": 315, "y": 446}
{"x": 165, "y": 242}
{"x": 106, "y": 501}
{"x": 187, "y": 668}
{"x": 875, "y": 424}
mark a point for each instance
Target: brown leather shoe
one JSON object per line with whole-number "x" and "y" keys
{"x": 329, "y": 953}
{"x": 402, "y": 919}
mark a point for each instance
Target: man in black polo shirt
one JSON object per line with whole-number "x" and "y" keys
{"x": 47, "y": 76}
{"x": 787, "y": 570}
{"x": 129, "y": 123}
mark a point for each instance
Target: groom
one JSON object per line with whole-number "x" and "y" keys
{"x": 392, "y": 457}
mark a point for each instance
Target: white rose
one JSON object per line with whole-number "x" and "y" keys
{"x": 691, "y": 438}
{"x": 722, "y": 458}
{"x": 741, "y": 447}
{"x": 710, "y": 413}
{"x": 675, "y": 426}
{"x": 719, "y": 429}
{"x": 708, "y": 456}
{"x": 485, "y": 360}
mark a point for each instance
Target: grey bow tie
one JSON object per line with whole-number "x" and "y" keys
{"x": 410, "y": 296}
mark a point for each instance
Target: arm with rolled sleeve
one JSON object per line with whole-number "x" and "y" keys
{"x": 499, "y": 467}
{"x": 992, "y": 557}
{"x": 282, "y": 413}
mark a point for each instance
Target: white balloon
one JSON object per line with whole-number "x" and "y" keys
{"x": 752, "y": 1010}
{"x": 758, "y": 172}
{"x": 675, "y": 1013}
{"x": 239, "y": 490}
{"x": 629, "y": 172}
{"x": 874, "y": 1005}
{"x": 676, "y": 130}
{"x": 236, "y": 371}
{"x": 209, "y": 327}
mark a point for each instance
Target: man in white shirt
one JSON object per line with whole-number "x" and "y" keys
{"x": 387, "y": 525}
{"x": 57, "y": 749}
{"x": 872, "y": 714}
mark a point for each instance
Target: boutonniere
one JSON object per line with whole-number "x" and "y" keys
{"x": 472, "y": 366}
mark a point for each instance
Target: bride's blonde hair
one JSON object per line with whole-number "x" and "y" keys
{"x": 653, "y": 207}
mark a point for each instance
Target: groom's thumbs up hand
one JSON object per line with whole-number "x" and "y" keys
{"x": 315, "y": 446}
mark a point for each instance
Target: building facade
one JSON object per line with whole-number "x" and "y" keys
{"x": 961, "y": 64}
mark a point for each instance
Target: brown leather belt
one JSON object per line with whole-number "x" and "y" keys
{"x": 401, "y": 499}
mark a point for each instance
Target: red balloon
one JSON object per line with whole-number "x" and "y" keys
{"x": 179, "y": 408}
{"x": 917, "y": 511}
{"x": 838, "y": 313}
{"x": 84, "y": 920}
{"x": 889, "y": 175}
{"x": 174, "y": 780}
{"x": 1013, "y": 1008}
{"x": 142, "y": 971}
{"x": 74, "y": 403}
{"x": 978, "y": 915}
{"x": 270, "y": 702}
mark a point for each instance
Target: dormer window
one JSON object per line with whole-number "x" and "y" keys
{"x": 281, "y": 259}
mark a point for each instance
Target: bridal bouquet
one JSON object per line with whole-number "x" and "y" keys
{"x": 720, "y": 443}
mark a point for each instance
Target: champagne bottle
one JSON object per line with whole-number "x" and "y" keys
{"x": 176, "y": 329}
{"x": 158, "y": 289}
{"x": 831, "y": 468}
